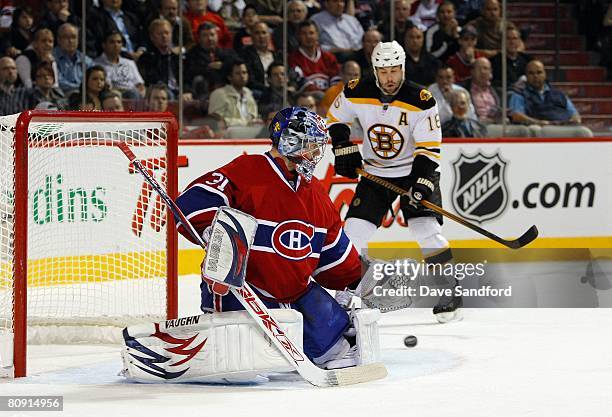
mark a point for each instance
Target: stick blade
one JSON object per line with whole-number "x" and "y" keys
{"x": 357, "y": 374}
{"x": 526, "y": 238}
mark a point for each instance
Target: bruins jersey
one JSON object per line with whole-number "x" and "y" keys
{"x": 394, "y": 132}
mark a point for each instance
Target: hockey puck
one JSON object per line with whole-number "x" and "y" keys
{"x": 410, "y": 341}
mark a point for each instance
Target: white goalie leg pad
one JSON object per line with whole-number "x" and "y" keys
{"x": 209, "y": 347}
{"x": 365, "y": 322}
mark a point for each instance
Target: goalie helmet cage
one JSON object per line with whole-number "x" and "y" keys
{"x": 83, "y": 241}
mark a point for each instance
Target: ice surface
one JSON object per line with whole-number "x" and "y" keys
{"x": 496, "y": 362}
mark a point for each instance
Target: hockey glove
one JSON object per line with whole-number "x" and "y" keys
{"x": 348, "y": 158}
{"x": 421, "y": 180}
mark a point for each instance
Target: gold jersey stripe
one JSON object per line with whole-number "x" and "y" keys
{"x": 426, "y": 153}
{"x": 428, "y": 144}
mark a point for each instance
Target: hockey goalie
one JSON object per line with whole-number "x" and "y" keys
{"x": 266, "y": 217}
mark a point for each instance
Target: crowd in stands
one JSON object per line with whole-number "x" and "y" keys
{"x": 233, "y": 75}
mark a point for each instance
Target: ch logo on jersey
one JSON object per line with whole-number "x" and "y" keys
{"x": 480, "y": 192}
{"x": 292, "y": 239}
{"x": 386, "y": 141}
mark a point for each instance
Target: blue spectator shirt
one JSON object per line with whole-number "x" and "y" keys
{"x": 517, "y": 102}
{"x": 70, "y": 69}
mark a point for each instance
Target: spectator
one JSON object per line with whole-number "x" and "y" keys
{"x": 272, "y": 99}
{"x": 41, "y": 51}
{"x": 168, "y": 9}
{"x": 441, "y": 38}
{"x": 402, "y": 22}
{"x": 339, "y": 33}
{"x": 542, "y": 105}
{"x": 110, "y": 18}
{"x": 486, "y": 99}
{"x": 367, "y": 12}
{"x": 22, "y": 32}
{"x": 606, "y": 42}
{"x": 197, "y": 14}
{"x": 488, "y": 26}
{"x": 243, "y": 37}
{"x": 296, "y": 14}
{"x": 421, "y": 66}
{"x": 160, "y": 64}
{"x": 269, "y": 11}
{"x": 58, "y": 12}
{"x": 461, "y": 124}
{"x": 467, "y": 10}
{"x": 111, "y": 101}
{"x": 258, "y": 57}
{"x": 12, "y": 99}
{"x": 44, "y": 91}
{"x": 121, "y": 73}
{"x": 442, "y": 91}
{"x": 350, "y": 71}
{"x": 75, "y": 102}
{"x": 516, "y": 61}
{"x": 69, "y": 59}
{"x": 234, "y": 103}
{"x": 319, "y": 69}
{"x": 95, "y": 84}
{"x": 363, "y": 57}
{"x": 423, "y": 13}
{"x": 231, "y": 12}
{"x": 313, "y": 7}
{"x": 306, "y": 100}
{"x": 205, "y": 61}
{"x": 464, "y": 58}
{"x": 156, "y": 98}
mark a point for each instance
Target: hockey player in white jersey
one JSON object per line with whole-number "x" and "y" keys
{"x": 402, "y": 138}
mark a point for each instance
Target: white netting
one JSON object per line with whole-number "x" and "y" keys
{"x": 96, "y": 232}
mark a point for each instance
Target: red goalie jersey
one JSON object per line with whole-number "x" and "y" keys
{"x": 299, "y": 233}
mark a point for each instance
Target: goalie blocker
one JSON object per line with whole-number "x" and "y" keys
{"x": 223, "y": 347}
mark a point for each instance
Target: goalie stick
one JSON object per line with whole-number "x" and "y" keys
{"x": 526, "y": 238}
{"x": 260, "y": 314}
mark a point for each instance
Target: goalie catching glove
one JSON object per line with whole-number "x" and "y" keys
{"x": 381, "y": 290}
{"x": 347, "y": 155}
{"x": 421, "y": 183}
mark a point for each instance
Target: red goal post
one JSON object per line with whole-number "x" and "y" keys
{"x": 73, "y": 148}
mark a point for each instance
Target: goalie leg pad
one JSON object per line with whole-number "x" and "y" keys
{"x": 365, "y": 322}
{"x": 324, "y": 319}
{"x": 208, "y": 347}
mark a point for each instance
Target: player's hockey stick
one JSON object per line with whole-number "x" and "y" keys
{"x": 260, "y": 314}
{"x": 523, "y": 240}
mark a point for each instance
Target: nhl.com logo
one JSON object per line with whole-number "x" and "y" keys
{"x": 480, "y": 192}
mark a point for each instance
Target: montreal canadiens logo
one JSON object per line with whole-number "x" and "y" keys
{"x": 292, "y": 239}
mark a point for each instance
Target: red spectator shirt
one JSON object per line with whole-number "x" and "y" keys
{"x": 225, "y": 37}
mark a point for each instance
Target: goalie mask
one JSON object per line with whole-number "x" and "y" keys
{"x": 388, "y": 54}
{"x": 300, "y": 135}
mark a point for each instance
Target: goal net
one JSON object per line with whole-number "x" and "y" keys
{"x": 86, "y": 246}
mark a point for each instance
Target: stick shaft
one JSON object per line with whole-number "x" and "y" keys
{"x": 514, "y": 244}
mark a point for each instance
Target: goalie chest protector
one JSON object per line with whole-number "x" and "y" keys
{"x": 296, "y": 220}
